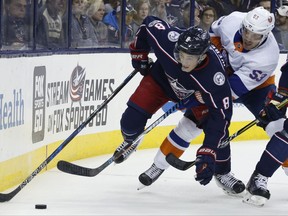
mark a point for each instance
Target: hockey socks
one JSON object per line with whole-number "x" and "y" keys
{"x": 274, "y": 155}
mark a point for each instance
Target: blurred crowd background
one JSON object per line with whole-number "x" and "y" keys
{"x": 84, "y": 24}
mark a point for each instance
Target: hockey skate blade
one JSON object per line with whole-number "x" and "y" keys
{"x": 141, "y": 186}
{"x": 254, "y": 200}
{"x": 230, "y": 193}
{"x": 239, "y": 195}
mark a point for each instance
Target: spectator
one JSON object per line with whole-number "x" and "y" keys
{"x": 266, "y": 4}
{"x": 63, "y": 9}
{"x": 223, "y": 7}
{"x": 158, "y": 9}
{"x": 207, "y": 17}
{"x": 49, "y": 29}
{"x": 96, "y": 13}
{"x": 110, "y": 5}
{"x": 142, "y": 8}
{"x": 201, "y": 4}
{"x": 16, "y": 32}
{"x": 173, "y": 9}
{"x": 64, "y": 17}
{"x": 40, "y": 3}
{"x": 246, "y": 5}
{"x": 186, "y": 15}
{"x": 281, "y": 27}
{"x": 284, "y": 2}
{"x": 129, "y": 33}
{"x": 112, "y": 20}
{"x": 82, "y": 30}
{"x": 280, "y": 3}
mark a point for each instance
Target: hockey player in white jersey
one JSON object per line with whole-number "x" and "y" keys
{"x": 252, "y": 55}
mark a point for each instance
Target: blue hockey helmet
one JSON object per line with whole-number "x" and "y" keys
{"x": 194, "y": 41}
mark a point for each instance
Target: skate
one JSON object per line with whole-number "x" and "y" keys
{"x": 230, "y": 185}
{"x": 257, "y": 192}
{"x": 149, "y": 176}
{"x": 125, "y": 154}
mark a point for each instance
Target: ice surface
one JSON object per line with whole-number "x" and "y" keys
{"x": 114, "y": 191}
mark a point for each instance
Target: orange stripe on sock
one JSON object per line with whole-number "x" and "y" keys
{"x": 167, "y": 147}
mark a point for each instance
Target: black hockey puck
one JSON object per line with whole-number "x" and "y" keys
{"x": 40, "y": 206}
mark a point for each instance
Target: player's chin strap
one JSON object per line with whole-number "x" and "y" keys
{"x": 184, "y": 165}
{"x": 201, "y": 58}
{"x": 264, "y": 37}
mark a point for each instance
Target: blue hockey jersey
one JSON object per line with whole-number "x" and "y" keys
{"x": 208, "y": 78}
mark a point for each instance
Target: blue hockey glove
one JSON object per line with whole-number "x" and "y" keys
{"x": 189, "y": 102}
{"x": 140, "y": 60}
{"x": 270, "y": 112}
{"x": 205, "y": 165}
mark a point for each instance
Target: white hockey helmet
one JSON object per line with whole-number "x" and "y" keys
{"x": 259, "y": 21}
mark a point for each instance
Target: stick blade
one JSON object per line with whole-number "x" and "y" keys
{"x": 7, "y": 197}
{"x": 178, "y": 163}
{"x": 73, "y": 169}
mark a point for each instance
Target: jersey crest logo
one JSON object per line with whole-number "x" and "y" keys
{"x": 237, "y": 40}
{"x": 219, "y": 79}
{"x": 180, "y": 91}
{"x": 238, "y": 46}
{"x": 173, "y": 36}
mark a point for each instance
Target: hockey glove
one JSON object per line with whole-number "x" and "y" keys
{"x": 140, "y": 60}
{"x": 270, "y": 112}
{"x": 205, "y": 165}
{"x": 189, "y": 102}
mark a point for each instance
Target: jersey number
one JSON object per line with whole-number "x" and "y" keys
{"x": 159, "y": 26}
{"x": 226, "y": 103}
{"x": 257, "y": 75}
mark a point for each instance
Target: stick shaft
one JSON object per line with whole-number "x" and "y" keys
{"x": 8, "y": 196}
{"x": 74, "y": 169}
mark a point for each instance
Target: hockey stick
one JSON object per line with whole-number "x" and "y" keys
{"x": 184, "y": 165}
{"x": 8, "y": 196}
{"x": 75, "y": 169}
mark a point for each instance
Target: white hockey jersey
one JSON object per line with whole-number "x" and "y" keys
{"x": 251, "y": 69}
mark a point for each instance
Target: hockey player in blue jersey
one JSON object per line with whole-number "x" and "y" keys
{"x": 186, "y": 64}
{"x": 252, "y": 55}
{"x": 276, "y": 151}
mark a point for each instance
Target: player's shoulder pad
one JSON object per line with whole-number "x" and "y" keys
{"x": 216, "y": 68}
{"x": 150, "y": 21}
